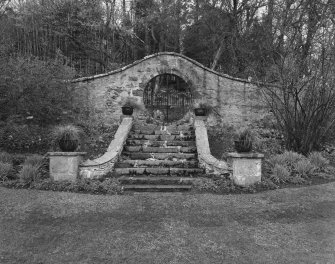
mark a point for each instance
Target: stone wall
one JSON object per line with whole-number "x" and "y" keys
{"x": 238, "y": 100}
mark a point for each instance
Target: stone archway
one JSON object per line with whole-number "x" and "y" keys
{"x": 169, "y": 94}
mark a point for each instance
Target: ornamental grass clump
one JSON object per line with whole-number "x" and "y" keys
{"x": 6, "y": 166}
{"x": 33, "y": 169}
{"x": 29, "y": 173}
{"x": 290, "y": 167}
{"x": 319, "y": 162}
{"x": 280, "y": 174}
{"x": 304, "y": 168}
{"x": 5, "y": 170}
{"x": 66, "y": 137}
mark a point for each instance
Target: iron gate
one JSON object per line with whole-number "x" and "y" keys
{"x": 170, "y": 94}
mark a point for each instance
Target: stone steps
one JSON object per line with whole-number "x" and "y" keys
{"x": 157, "y": 171}
{"x": 161, "y": 137}
{"x": 160, "y": 149}
{"x": 156, "y": 188}
{"x": 158, "y": 158}
{"x": 157, "y": 180}
{"x": 159, "y": 143}
{"x": 164, "y": 132}
{"x": 146, "y": 127}
{"x": 157, "y": 163}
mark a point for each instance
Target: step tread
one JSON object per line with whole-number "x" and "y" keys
{"x": 153, "y": 163}
{"x": 151, "y": 186}
{"x": 156, "y": 170}
{"x": 162, "y": 180}
{"x": 156, "y": 143}
{"x": 158, "y": 156}
{"x": 162, "y": 137}
{"x": 149, "y": 149}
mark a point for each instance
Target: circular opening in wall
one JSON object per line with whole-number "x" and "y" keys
{"x": 169, "y": 96}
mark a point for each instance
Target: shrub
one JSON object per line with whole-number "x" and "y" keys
{"x": 29, "y": 173}
{"x": 20, "y": 138}
{"x": 5, "y": 170}
{"x": 319, "y": 162}
{"x": 40, "y": 87}
{"x": 6, "y": 157}
{"x": 280, "y": 174}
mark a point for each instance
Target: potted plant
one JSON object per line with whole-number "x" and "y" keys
{"x": 202, "y": 108}
{"x": 244, "y": 141}
{"x": 129, "y": 104}
{"x": 67, "y": 137}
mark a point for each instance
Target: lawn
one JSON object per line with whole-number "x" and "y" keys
{"x": 293, "y": 225}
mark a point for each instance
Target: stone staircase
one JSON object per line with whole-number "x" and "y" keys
{"x": 159, "y": 158}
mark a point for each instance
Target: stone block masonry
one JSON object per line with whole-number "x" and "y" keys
{"x": 65, "y": 165}
{"x": 247, "y": 168}
{"x": 238, "y": 101}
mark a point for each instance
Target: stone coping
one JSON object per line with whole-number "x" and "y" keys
{"x": 115, "y": 147}
{"x": 246, "y": 155}
{"x": 174, "y": 54}
{"x": 206, "y": 159}
{"x": 59, "y": 153}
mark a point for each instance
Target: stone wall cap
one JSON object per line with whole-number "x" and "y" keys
{"x": 59, "y": 153}
{"x": 246, "y": 155}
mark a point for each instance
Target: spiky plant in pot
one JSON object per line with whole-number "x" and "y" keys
{"x": 244, "y": 141}
{"x": 67, "y": 137}
{"x": 129, "y": 104}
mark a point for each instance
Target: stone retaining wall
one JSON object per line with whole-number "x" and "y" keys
{"x": 206, "y": 160}
{"x": 238, "y": 101}
{"x": 95, "y": 169}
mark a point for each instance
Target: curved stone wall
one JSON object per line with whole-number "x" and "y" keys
{"x": 237, "y": 100}
{"x": 95, "y": 169}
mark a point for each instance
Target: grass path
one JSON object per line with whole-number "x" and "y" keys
{"x": 282, "y": 226}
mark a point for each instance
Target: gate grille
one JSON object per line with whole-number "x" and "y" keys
{"x": 170, "y": 94}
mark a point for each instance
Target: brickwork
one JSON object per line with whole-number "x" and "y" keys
{"x": 238, "y": 100}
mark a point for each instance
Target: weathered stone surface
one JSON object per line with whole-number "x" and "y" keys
{"x": 65, "y": 165}
{"x": 94, "y": 169}
{"x": 133, "y": 148}
{"x": 157, "y": 170}
{"x": 247, "y": 168}
{"x": 160, "y": 150}
{"x": 161, "y": 156}
{"x": 238, "y": 101}
{"x": 160, "y": 143}
{"x": 206, "y": 160}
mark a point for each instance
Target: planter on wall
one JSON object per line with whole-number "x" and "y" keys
{"x": 242, "y": 146}
{"x": 68, "y": 145}
{"x": 127, "y": 110}
{"x": 247, "y": 168}
{"x": 200, "y": 111}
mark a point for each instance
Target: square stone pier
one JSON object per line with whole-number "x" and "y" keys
{"x": 247, "y": 168}
{"x": 65, "y": 165}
